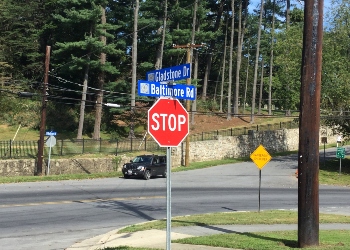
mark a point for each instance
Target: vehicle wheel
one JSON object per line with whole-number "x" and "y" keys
{"x": 126, "y": 176}
{"x": 147, "y": 175}
{"x": 164, "y": 174}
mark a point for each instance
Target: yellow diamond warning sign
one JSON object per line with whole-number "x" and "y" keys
{"x": 260, "y": 157}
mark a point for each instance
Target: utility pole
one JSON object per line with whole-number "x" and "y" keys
{"x": 189, "y": 48}
{"x": 309, "y": 125}
{"x": 39, "y": 170}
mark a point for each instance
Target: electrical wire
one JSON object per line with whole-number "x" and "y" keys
{"x": 120, "y": 37}
{"x": 80, "y": 85}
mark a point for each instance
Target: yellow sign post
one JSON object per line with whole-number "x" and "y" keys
{"x": 260, "y": 157}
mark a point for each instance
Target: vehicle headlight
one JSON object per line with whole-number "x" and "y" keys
{"x": 141, "y": 168}
{"x": 124, "y": 166}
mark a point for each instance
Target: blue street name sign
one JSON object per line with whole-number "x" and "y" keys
{"x": 157, "y": 89}
{"x": 175, "y": 73}
{"x": 50, "y": 133}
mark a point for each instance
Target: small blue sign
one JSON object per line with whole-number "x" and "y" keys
{"x": 157, "y": 89}
{"x": 50, "y": 133}
{"x": 175, "y": 73}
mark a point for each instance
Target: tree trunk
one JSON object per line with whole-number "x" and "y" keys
{"x": 134, "y": 53}
{"x": 211, "y": 48}
{"x": 223, "y": 70}
{"x": 195, "y": 76}
{"x": 229, "y": 116}
{"x": 271, "y": 57}
{"x": 287, "y": 12}
{"x": 246, "y": 83}
{"x": 83, "y": 96}
{"x": 159, "y": 59}
{"x": 134, "y": 67}
{"x": 194, "y": 21}
{"x": 101, "y": 81}
{"x": 82, "y": 104}
{"x": 261, "y": 85}
{"x": 288, "y": 112}
{"x": 239, "y": 58}
{"x": 256, "y": 62}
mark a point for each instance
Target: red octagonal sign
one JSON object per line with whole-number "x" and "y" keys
{"x": 168, "y": 122}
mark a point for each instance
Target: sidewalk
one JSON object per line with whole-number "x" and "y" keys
{"x": 157, "y": 238}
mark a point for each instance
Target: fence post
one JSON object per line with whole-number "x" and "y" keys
{"x": 145, "y": 143}
{"x": 100, "y": 144}
{"x": 131, "y": 143}
{"x": 202, "y": 137}
{"x": 231, "y": 131}
{"x": 257, "y": 127}
{"x": 61, "y": 147}
{"x": 116, "y": 150}
{"x": 10, "y": 149}
{"x": 83, "y": 146}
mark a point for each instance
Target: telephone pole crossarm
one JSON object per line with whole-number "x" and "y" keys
{"x": 187, "y": 46}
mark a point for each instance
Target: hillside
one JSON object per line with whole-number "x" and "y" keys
{"x": 202, "y": 123}
{"x": 206, "y": 123}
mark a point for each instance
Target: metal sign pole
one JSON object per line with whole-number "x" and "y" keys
{"x": 324, "y": 154}
{"x": 168, "y": 198}
{"x": 48, "y": 163}
{"x": 259, "y": 187}
{"x": 340, "y": 166}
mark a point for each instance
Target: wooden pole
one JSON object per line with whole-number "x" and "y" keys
{"x": 39, "y": 170}
{"x": 309, "y": 125}
{"x": 188, "y": 47}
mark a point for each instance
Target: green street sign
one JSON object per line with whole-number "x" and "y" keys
{"x": 340, "y": 153}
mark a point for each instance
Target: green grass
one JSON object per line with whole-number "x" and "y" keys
{"x": 207, "y": 164}
{"x": 234, "y": 218}
{"x": 329, "y": 240}
{"x": 28, "y": 134}
{"x": 129, "y": 248}
{"x": 330, "y": 172}
{"x": 16, "y": 179}
{"x": 279, "y": 240}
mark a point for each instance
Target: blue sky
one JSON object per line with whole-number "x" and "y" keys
{"x": 297, "y": 3}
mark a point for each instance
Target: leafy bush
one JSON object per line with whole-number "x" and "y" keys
{"x": 15, "y": 111}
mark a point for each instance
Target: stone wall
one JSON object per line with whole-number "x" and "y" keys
{"x": 243, "y": 145}
{"x": 27, "y": 167}
{"x": 222, "y": 147}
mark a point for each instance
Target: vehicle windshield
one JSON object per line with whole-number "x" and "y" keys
{"x": 143, "y": 159}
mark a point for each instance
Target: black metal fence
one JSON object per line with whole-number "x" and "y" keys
{"x": 212, "y": 135}
{"x": 29, "y": 149}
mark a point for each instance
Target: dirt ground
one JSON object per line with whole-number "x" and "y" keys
{"x": 206, "y": 123}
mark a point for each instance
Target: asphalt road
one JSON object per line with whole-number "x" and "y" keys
{"x": 55, "y": 215}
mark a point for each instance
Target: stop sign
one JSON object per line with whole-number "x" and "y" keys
{"x": 168, "y": 122}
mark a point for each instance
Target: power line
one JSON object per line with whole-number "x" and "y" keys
{"x": 80, "y": 85}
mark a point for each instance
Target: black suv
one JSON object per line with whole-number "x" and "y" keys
{"x": 145, "y": 166}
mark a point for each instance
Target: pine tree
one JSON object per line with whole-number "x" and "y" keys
{"x": 21, "y": 25}
{"x": 81, "y": 29}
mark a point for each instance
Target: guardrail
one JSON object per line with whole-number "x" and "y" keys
{"x": 29, "y": 149}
